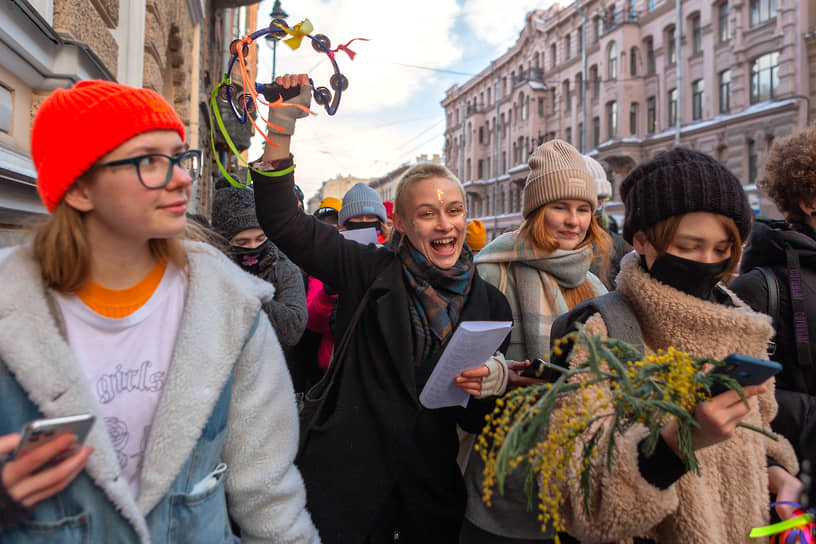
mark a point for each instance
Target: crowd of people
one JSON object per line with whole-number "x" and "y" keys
{"x": 196, "y": 344}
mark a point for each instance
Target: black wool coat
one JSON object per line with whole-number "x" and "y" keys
{"x": 379, "y": 441}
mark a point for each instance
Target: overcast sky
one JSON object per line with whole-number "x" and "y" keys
{"x": 391, "y": 112}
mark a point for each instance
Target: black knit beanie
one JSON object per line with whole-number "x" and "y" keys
{"x": 233, "y": 209}
{"x": 682, "y": 181}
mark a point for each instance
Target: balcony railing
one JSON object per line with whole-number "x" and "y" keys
{"x": 531, "y": 74}
{"x": 614, "y": 18}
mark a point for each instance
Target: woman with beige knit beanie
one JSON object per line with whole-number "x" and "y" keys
{"x": 543, "y": 270}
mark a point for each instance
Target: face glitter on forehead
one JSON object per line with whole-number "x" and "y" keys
{"x": 440, "y": 194}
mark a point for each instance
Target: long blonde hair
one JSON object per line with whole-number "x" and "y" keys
{"x": 535, "y": 231}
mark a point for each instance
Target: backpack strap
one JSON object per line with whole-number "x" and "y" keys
{"x": 618, "y": 315}
{"x": 772, "y": 308}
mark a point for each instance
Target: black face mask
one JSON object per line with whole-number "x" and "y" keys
{"x": 249, "y": 258}
{"x": 693, "y": 278}
{"x": 354, "y": 225}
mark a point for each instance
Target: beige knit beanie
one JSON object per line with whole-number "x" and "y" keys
{"x": 557, "y": 172}
{"x": 602, "y": 185}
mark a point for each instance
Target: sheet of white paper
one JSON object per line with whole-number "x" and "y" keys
{"x": 473, "y": 343}
{"x": 364, "y": 236}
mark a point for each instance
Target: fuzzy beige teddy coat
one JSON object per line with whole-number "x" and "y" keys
{"x": 730, "y": 495}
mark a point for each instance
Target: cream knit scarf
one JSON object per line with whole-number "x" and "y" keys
{"x": 536, "y": 281}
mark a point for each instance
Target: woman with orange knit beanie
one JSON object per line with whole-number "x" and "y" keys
{"x": 112, "y": 312}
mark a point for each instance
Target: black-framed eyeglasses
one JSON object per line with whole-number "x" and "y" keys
{"x": 155, "y": 169}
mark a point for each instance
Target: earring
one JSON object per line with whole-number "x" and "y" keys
{"x": 813, "y": 214}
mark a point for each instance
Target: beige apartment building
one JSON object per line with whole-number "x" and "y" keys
{"x": 741, "y": 76}
{"x": 335, "y": 188}
{"x": 176, "y": 47}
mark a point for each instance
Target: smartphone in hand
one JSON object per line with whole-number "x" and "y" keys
{"x": 41, "y": 431}
{"x": 746, "y": 370}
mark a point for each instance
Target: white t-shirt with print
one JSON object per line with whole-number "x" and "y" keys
{"x": 126, "y": 361}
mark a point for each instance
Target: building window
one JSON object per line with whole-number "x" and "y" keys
{"x": 673, "y": 107}
{"x": 467, "y": 170}
{"x": 596, "y": 82}
{"x": 579, "y": 88}
{"x": 581, "y": 135}
{"x": 6, "y": 109}
{"x": 764, "y": 77}
{"x": 612, "y": 62}
{"x": 612, "y": 119}
{"x": 540, "y": 107}
{"x": 752, "y": 162}
{"x": 579, "y": 40}
{"x": 651, "y": 115}
{"x": 596, "y": 23}
{"x": 725, "y": 26}
{"x": 697, "y": 100}
{"x": 568, "y": 135}
{"x": 633, "y": 107}
{"x": 611, "y": 19}
{"x": 696, "y": 36}
{"x": 567, "y": 96}
{"x": 596, "y": 131}
{"x": 670, "y": 46}
{"x": 481, "y": 135}
{"x": 567, "y": 47}
{"x": 553, "y": 53}
{"x": 552, "y": 101}
{"x": 725, "y": 91}
{"x": 762, "y": 11}
{"x": 650, "y": 56}
{"x": 652, "y": 5}
{"x": 503, "y": 126}
{"x": 480, "y": 169}
{"x": 633, "y": 61}
{"x": 524, "y": 108}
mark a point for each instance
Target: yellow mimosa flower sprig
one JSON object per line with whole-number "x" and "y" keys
{"x": 589, "y": 407}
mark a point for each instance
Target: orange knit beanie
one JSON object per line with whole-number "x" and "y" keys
{"x": 476, "y": 235}
{"x": 75, "y": 127}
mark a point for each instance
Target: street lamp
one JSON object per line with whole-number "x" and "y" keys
{"x": 278, "y": 16}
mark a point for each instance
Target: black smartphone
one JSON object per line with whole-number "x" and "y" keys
{"x": 535, "y": 370}
{"x": 746, "y": 370}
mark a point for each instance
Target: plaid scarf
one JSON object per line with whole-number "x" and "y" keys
{"x": 437, "y": 297}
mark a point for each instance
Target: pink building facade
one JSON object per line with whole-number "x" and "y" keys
{"x": 745, "y": 77}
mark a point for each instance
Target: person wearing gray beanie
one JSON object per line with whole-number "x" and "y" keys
{"x": 233, "y": 217}
{"x": 361, "y": 204}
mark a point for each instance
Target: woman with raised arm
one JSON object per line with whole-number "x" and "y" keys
{"x": 382, "y": 467}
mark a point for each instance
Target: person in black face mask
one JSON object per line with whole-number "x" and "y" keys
{"x": 233, "y": 217}
{"x": 363, "y": 208}
{"x": 686, "y": 216}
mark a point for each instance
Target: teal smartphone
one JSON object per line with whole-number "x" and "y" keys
{"x": 746, "y": 370}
